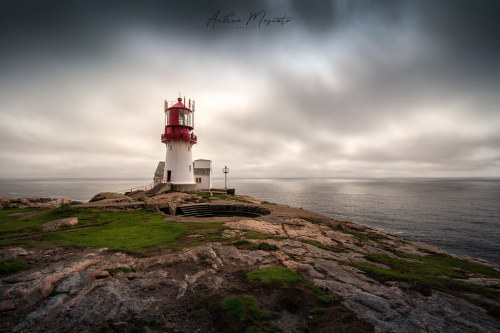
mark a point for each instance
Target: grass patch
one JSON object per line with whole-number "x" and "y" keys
{"x": 258, "y": 235}
{"x": 244, "y": 308}
{"x": 308, "y": 219}
{"x": 10, "y": 223}
{"x": 207, "y": 198}
{"x": 134, "y": 231}
{"x": 276, "y": 274}
{"x": 198, "y": 233}
{"x": 320, "y": 246}
{"x": 316, "y": 290}
{"x": 229, "y": 198}
{"x": 254, "y": 310}
{"x": 234, "y": 307}
{"x": 364, "y": 237}
{"x": 326, "y": 300}
{"x": 11, "y": 266}
{"x": 318, "y": 311}
{"x": 243, "y": 242}
{"x": 437, "y": 264}
{"x": 433, "y": 272}
{"x": 126, "y": 230}
{"x": 267, "y": 247}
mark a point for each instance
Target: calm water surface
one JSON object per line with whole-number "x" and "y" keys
{"x": 458, "y": 215}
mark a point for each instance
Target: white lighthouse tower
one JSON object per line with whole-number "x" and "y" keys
{"x": 179, "y": 140}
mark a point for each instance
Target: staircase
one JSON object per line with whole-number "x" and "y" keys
{"x": 196, "y": 210}
{"x": 157, "y": 188}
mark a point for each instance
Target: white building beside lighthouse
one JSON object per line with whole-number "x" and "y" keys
{"x": 179, "y": 140}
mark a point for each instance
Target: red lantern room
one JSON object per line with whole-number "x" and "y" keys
{"x": 179, "y": 122}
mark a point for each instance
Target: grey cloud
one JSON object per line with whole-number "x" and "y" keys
{"x": 87, "y": 81}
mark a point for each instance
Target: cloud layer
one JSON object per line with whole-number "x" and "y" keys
{"x": 344, "y": 89}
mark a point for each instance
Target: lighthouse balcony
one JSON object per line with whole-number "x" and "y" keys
{"x": 179, "y": 136}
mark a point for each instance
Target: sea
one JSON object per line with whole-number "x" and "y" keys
{"x": 459, "y": 215}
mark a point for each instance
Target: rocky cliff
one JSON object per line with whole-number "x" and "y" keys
{"x": 288, "y": 271}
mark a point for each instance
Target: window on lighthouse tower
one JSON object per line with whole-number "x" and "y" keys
{"x": 181, "y": 117}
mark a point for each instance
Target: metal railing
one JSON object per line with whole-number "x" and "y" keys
{"x": 147, "y": 187}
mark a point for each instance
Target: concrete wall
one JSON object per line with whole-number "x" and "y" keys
{"x": 205, "y": 183}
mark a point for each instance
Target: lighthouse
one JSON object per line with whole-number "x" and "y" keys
{"x": 179, "y": 140}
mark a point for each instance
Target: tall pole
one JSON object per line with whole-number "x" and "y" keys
{"x": 225, "y": 170}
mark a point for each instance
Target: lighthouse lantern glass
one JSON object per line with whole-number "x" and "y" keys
{"x": 181, "y": 117}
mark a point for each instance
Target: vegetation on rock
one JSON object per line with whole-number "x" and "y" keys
{"x": 276, "y": 274}
{"x": 10, "y": 266}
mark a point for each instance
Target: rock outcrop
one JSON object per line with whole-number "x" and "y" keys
{"x": 34, "y": 202}
{"x": 59, "y": 223}
{"x": 80, "y": 289}
{"x": 111, "y": 197}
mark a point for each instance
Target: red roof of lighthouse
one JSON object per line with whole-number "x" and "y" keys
{"x": 179, "y": 104}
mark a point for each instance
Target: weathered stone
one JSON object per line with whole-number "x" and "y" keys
{"x": 115, "y": 197}
{"x": 12, "y": 253}
{"x": 59, "y": 223}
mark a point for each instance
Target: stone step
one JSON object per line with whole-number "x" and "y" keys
{"x": 196, "y": 210}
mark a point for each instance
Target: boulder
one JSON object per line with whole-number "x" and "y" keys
{"x": 59, "y": 223}
{"x": 115, "y": 197}
{"x": 12, "y": 253}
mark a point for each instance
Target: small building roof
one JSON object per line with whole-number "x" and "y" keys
{"x": 160, "y": 169}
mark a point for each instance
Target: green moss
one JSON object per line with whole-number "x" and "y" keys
{"x": 433, "y": 272}
{"x": 310, "y": 220}
{"x": 258, "y": 235}
{"x": 11, "y": 266}
{"x": 234, "y": 307}
{"x": 267, "y": 247}
{"x": 253, "y": 329}
{"x": 326, "y": 300}
{"x": 276, "y": 274}
{"x": 321, "y": 246}
{"x": 272, "y": 327}
{"x": 246, "y": 306}
{"x": 364, "y": 237}
{"x": 256, "y": 312}
{"x": 316, "y": 290}
{"x": 319, "y": 311}
{"x": 197, "y": 314}
{"x": 243, "y": 242}
{"x": 437, "y": 264}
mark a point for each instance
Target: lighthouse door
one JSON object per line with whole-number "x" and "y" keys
{"x": 169, "y": 175}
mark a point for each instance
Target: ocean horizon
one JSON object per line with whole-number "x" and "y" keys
{"x": 460, "y": 215}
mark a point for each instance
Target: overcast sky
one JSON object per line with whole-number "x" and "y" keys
{"x": 307, "y": 88}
